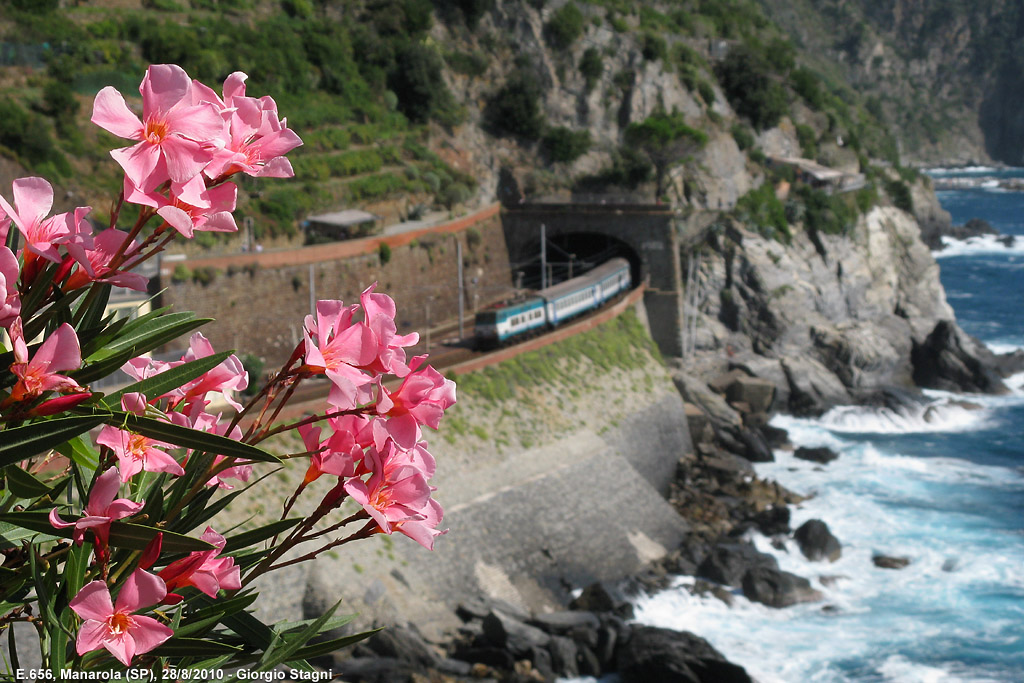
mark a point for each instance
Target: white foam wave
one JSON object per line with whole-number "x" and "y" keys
{"x": 899, "y": 669}
{"x": 961, "y": 170}
{"x": 946, "y": 416}
{"x": 981, "y": 244}
{"x": 1003, "y": 347}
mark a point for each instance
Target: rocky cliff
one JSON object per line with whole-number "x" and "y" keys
{"x": 833, "y": 319}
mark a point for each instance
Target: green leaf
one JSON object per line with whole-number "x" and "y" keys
{"x": 284, "y": 627}
{"x": 193, "y": 647}
{"x": 23, "y": 484}
{"x": 20, "y": 443}
{"x": 138, "y": 536}
{"x": 158, "y": 385}
{"x": 97, "y": 305}
{"x": 188, "y": 438}
{"x": 248, "y": 538}
{"x": 279, "y": 653}
{"x": 79, "y": 452}
{"x": 122, "y": 534}
{"x": 12, "y": 535}
{"x": 329, "y": 646}
{"x": 135, "y": 342}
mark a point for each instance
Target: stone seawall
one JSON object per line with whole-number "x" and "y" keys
{"x": 552, "y": 470}
{"x": 258, "y": 301}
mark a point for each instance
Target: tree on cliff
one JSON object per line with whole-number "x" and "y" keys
{"x": 666, "y": 140}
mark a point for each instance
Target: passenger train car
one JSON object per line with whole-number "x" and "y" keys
{"x": 504, "y": 323}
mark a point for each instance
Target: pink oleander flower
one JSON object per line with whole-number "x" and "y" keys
{"x": 101, "y": 510}
{"x": 379, "y": 310}
{"x": 198, "y": 208}
{"x": 337, "y": 455}
{"x": 203, "y": 569}
{"x": 39, "y": 375}
{"x": 206, "y": 422}
{"x": 228, "y": 377}
{"x": 33, "y": 199}
{"x": 10, "y": 301}
{"x": 136, "y": 452}
{"x": 174, "y": 136}
{"x": 257, "y": 139}
{"x": 115, "y": 626}
{"x": 94, "y": 263}
{"x": 421, "y": 399}
{"x": 340, "y": 349}
{"x": 390, "y": 495}
{"x": 425, "y": 530}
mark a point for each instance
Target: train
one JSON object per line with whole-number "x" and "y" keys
{"x": 506, "y": 323}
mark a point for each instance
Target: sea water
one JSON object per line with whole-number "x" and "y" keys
{"x": 943, "y": 488}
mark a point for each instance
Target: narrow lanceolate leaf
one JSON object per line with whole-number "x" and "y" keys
{"x": 193, "y": 647}
{"x": 248, "y": 538}
{"x": 97, "y": 305}
{"x": 12, "y": 535}
{"x": 20, "y": 443}
{"x": 158, "y": 385}
{"x": 23, "y": 484}
{"x": 329, "y": 646}
{"x": 279, "y": 653}
{"x": 136, "y": 342}
{"x": 122, "y": 534}
{"x": 187, "y": 438}
{"x": 138, "y": 536}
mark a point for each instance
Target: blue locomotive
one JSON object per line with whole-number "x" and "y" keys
{"x": 503, "y": 323}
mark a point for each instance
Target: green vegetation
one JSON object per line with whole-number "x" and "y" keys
{"x": 621, "y": 343}
{"x": 565, "y": 144}
{"x": 828, "y": 214}
{"x": 565, "y": 26}
{"x": 591, "y": 66}
{"x": 515, "y": 108}
{"x": 746, "y": 79}
{"x": 899, "y": 192}
{"x": 761, "y": 209}
{"x": 666, "y": 140}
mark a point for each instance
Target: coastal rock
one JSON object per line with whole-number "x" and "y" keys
{"x": 756, "y": 393}
{"x": 401, "y": 643}
{"x": 817, "y": 542}
{"x": 890, "y": 561}
{"x": 503, "y": 631}
{"x": 813, "y": 388}
{"x": 728, "y": 562}
{"x": 666, "y": 656}
{"x": 565, "y": 622}
{"x": 777, "y": 588}
{"x": 821, "y": 454}
{"x": 600, "y": 597}
{"x": 949, "y": 359}
{"x": 772, "y": 521}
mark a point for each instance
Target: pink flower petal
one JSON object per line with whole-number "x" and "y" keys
{"x": 103, "y": 493}
{"x": 34, "y": 197}
{"x": 185, "y": 158}
{"x": 111, "y": 113}
{"x": 91, "y": 636}
{"x": 149, "y": 633}
{"x": 143, "y": 164}
{"x": 140, "y": 590}
{"x": 163, "y": 86}
{"x": 93, "y": 602}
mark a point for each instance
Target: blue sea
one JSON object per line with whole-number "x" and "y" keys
{"x": 945, "y": 492}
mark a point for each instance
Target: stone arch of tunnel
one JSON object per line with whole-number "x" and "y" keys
{"x": 645, "y": 235}
{"x": 573, "y": 254}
